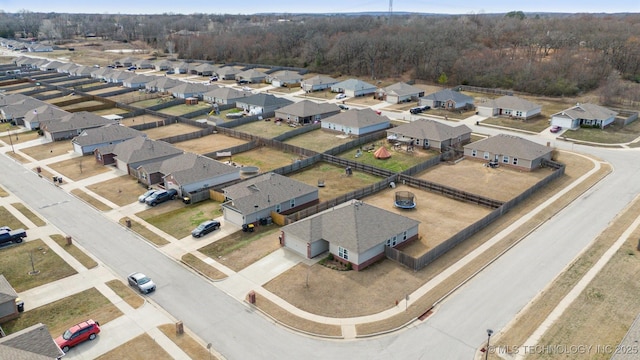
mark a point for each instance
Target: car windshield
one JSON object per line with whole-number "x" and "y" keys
{"x": 143, "y": 280}
{"x": 67, "y": 335}
{"x": 201, "y": 226}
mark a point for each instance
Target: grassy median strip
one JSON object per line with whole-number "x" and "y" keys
{"x": 16, "y": 263}
{"x": 140, "y": 347}
{"x": 90, "y": 200}
{"x": 126, "y": 293}
{"x": 3, "y": 192}
{"x": 29, "y": 214}
{"x": 9, "y": 220}
{"x": 202, "y": 267}
{"x": 74, "y": 251}
{"x": 186, "y": 343}
{"x": 64, "y": 313}
{"x": 147, "y": 234}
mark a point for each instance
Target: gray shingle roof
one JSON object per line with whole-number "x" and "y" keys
{"x": 357, "y": 118}
{"x": 354, "y": 85}
{"x": 265, "y": 100}
{"x": 252, "y": 74}
{"x": 511, "y": 102}
{"x": 320, "y": 79}
{"x": 354, "y": 225}
{"x": 286, "y": 75}
{"x": 190, "y": 88}
{"x": 189, "y": 168}
{"x": 588, "y": 112}
{"x": 448, "y": 94}
{"x": 32, "y": 343}
{"x": 402, "y": 89}
{"x": 142, "y": 149}
{"x": 75, "y": 121}
{"x": 226, "y": 93}
{"x": 6, "y": 291}
{"x": 265, "y": 191}
{"x": 44, "y": 113}
{"x": 510, "y": 145}
{"x": 430, "y": 129}
{"x": 306, "y": 108}
{"x": 227, "y": 70}
{"x": 107, "y": 133}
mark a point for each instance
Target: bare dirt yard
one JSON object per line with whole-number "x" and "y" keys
{"x": 502, "y": 183}
{"x": 49, "y": 150}
{"x": 209, "y": 143}
{"x": 265, "y": 158}
{"x": 122, "y": 190}
{"x": 132, "y": 96}
{"x": 142, "y": 119}
{"x": 266, "y": 129}
{"x": 318, "y": 140}
{"x": 79, "y": 168}
{"x": 170, "y": 130}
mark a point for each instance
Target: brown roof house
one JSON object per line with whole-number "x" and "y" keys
{"x": 584, "y": 115}
{"x": 8, "y": 296}
{"x": 129, "y": 155}
{"x": 32, "y": 343}
{"x": 306, "y": 112}
{"x": 91, "y": 139}
{"x": 399, "y": 92}
{"x": 255, "y": 198}
{"x": 187, "y": 173}
{"x": 430, "y": 134}
{"x": 71, "y": 125}
{"x": 354, "y": 232}
{"x": 509, "y": 150}
{"x": 356, "y": 122}
{"x": 511, "y": 106}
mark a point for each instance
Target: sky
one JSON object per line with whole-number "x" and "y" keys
{"x": 324, "y": 6}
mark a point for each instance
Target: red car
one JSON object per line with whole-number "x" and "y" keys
{"x": 555, "y": 129}
{"x": 86, "y": 330}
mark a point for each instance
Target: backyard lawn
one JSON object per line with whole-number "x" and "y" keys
{"x": 399, "y": 161}
{"x": 265, "y": 158}
{"x": 318, "y": 140}
{"x": 266, "y": 129}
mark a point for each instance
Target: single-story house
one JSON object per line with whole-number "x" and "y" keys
{"x": 306, "y": 112}
{"x": 118, "y": 76}
{"x": 8, "y": 296}
{"x": 227, "y": 73}
{"x": 205, "y": 69}
{"x": 354, "y": 232}
{"x": 511, "y": 106}
{"x": 81, "y": 71}
{"x": 14, "y": 107}
{"x": 430, "y": 134}
{"x": 112, "y": 134}
{"x": 448, "y": 99}
{"x": 187, "y": 90}
{"x": 144, "y": 64}
{"x": 284, "y": 78}
{"x": 71, "y": 125}
{"x": 356, "y": 122}
{"x": 252, "y": 75}
{"x": 51, "y": 65}
{"x": 39, "y": 48}
{"x": 224, "y": 95}
{"x": 255, "y": 198}
{"x": 318, "y": 82}
{"x": 126, "y": 61}
{"x": 32, "y": 343}
{"x": 163, "y": 65}
{"x": 190, "y": 172}
{"x": 130, "y": 154}
{"x": 261, "y": 103}
{"x": 161, "y": 84}
{"x": 33, "y": 117}
{"x": 509, "y": 150}
{"x": 399, "y": 92}
{"x": 584, "y": 115}
{"x": 102, "y": 73}
{"x": 353, "y": 88}
{"x": 66, "y": 68}
{"x": 138, "y": 81}
{"x": 181, "y": 67}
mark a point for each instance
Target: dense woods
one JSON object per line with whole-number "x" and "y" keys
{"x": 547, "y": 54}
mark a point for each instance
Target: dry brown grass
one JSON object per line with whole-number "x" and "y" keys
{"x": 318, "y": 140}
{"x": 122, "y": 190}
{"x": 20, "y": 137}
{"x": 84, "y": 259}
{"x": 35, "y": 219}
{"x": 266, "y": 129}
{"x": 16, "y": 156}
{"x": 79, "y": 168}
{"x": 9, "y": 220}
{"x": 3, "y": 192}
{"x": 126, "y": 293}
{"x": 170, "y": 130}
{"x": 90, "y": 200}
{"x": 209, "y": 143}
{"x": 202, "y": 267}
{"x": 265, "y": 158}
{"x": 141, "y": 347}
{"x": 49, "y": 150}
{"x": 186, "y": 343}
{"x": 145, "y": 233}
{"x": 142, "y": 119}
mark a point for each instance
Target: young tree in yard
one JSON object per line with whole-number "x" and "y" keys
{"x": 442, "y": 80}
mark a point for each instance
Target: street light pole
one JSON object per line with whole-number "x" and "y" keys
{"x": 486, "y": 353}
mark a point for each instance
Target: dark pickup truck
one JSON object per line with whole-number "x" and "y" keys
{"x": 15, "y": 236}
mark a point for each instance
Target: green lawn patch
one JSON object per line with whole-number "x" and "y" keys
{"x": 29, "y": 214}
{"x": 74, "y": 251}
{"x": 399, "y": 161}
{"x": 182, "y": 109}
{"x": 9, "y": 220}
{"x": 145, "y": 233}
{"x": 179, "y": 223}
{"x": 16, "y": 265}
{"x": 612, "y": 134}
{"x": 64, "y": 313}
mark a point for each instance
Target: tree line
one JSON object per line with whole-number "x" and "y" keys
{"x": 546, "y": 54}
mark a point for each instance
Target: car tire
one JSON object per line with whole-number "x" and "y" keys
{"x": 65, "y": 349}
{"x": 18, "y": 240}
{"x": 153, "y": 204}
{"x": 173, "y": 197}
{"x": 92, "y": 337}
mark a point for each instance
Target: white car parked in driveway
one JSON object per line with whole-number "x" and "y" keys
{"x": 341, "y": 96}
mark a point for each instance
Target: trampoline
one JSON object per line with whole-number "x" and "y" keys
{"x": 405, "y": 200}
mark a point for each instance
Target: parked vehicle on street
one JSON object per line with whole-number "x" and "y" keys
{"x": 146, "y": 195}
{"x": 142, "y": 282}
{"x": 14, "y": 236}
{"x": 343, "y": 107}
{"x": 86, "y": 330}
{"x": 161, "y": 196}
{"x": 205, "y": 228}
{"x": 416, "y": 110}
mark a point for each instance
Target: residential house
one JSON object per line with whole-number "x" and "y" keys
{"x": 399, "y": 92}
{"x": 161, "y": 84}
{"x": 190, "y": 172}
{"x": 511, "y": 106}
{"x": 509, "y": 150}
{"x": 101, "y": 73}
{"x": 318, "y": 82}
{"x": 66, "y": 68}
{"x": 255, "y": 198}
{"x": 39, "y": 48}
{"x": 205, "y": 69}
{"x": 126, "y": 62}
{"x": 32, "y": 118}
{"x": 71, "y": 125}
{"x": 31, "y": 343}
{"x": 111, "y": 134}
{"x": 584, "y": 115}
{"x": 261, "y": 103}
{"x": 354, "y": 232}
{"x": 51, "y": 65}
{"x": 284, "y": 78}
{"x": 353, "y": 88}
{"x": 428, "y": 133}
{"x": 119, "y": 77}
{"x": 189, "y": 90}
{"x": 252, "y": 75}
{"x": 8, "y": 296}
{"x": 130, "y": 154}
{"x": 356, "y": 122}
{"x": 144, "y": 64}
{"x": 227, "y": 73}
{"x": 181, "y": 67}
{"x": 448, "y": 99}
{"x": 13, "y": 107}
{"x": 163, "y": 65}
{"x": 306, "y": 112}
{"x": 137, "y": 82}
{"x": 224, "y": 95}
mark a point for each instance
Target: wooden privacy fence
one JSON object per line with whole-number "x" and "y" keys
{"x": 450, "y": 192}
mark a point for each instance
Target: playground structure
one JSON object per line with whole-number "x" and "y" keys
{"x": 405, "y": 200}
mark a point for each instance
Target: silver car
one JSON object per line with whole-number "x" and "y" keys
{"x": 143, "y": 283}
{"x": 144, "y": 196}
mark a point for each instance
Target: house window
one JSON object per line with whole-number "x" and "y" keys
{"x": 426, "y": 143}
{"x": 519, "y": 113}
{"x": 343, "y": 253}
{"x": 474, "y": 153}
{"x": 515, "y": 161}
{"x": 278, "y": 208}
{"x": 404, "y": 236}
{"x": 486, "y": 155}
{"x": 292, "y": 203}
{"x": 392, "y": 242}
{"x": 505, "y": 159}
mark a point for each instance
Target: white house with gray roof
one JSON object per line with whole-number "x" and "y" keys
{"x": 71, "y": 125}
{"x": 252, "y": 75}
{"x": 354, "y": 232}
{"x": 161, "y": 84}
{"x": 185, "y": 90}
{"x": 224, "y": 95}
{"x": 8, "y": 308}
{"x": 190, "y": 172}
{"x": 34, "y": 116}
{"x": 399, "y": 92}
{"x": 284, "y": 78}
{"x": 356, "y": 122}
{"x": 509, "y": 150}
{"x": 510, "y": 106}
{"x": 137, "y": 81}
{"x": 227, "y": 73}
{"x": 256, "y": 197}
{"x": 261, "y": 103}
{"x": 318, "y": 82}
{"x": 448, "y": 99}
{"x": 129, "y": 155}
{"x": 353, "y": 88}
{"x": 306, "y": 112}
{"x": 584, "y": 115}
{"x": 91, "y": 139}
{"x": 429, "y": 133}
